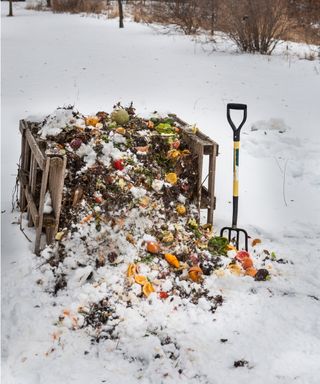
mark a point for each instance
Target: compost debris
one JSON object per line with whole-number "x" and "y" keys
{"x": 129, "y": 226}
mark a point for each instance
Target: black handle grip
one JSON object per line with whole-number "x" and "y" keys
{"x": 238, "y": 107}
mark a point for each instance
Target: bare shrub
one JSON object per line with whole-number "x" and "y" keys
{"x": 112, "y": 11}
{"x": 307, "y": 16}
{"x": 77, "y": 6}
{"x": 256, "y": 26}
{"x": 190, "y": 16}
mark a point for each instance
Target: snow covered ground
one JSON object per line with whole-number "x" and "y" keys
{"x": 50, "y": 60}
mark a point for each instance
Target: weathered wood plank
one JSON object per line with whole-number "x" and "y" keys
{"x": 50, "y": 234}
{"x": 211, "y": 184}
{"x": 56, "y": 184}
{"x": 198, "y": 149}
{"x": 22, "y": 198}
{"x": 200, "y": 137}
{"x": 32, "y": 184}
{"x": 35, "y": 149}
{"x": 22, "y": 126}
{"x": 32, "y": 206}
{"x": 44, "y": 183}
{"x": 24, "y": 170}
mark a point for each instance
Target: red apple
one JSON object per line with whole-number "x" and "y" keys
{"x": 242, "y": 255}
{"x": 118, "y": 164}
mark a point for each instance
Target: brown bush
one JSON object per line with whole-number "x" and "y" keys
{"x": 256, "y": 26}
{"x": 77, "y": 6}
{"x": 188, "y": 15}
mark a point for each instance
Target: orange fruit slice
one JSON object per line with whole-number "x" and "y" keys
{"x": 147, "y": 289}
{"x": 132, "y": 270}
{"x": 140, "y": 279}
{"x": 121, "y": 130}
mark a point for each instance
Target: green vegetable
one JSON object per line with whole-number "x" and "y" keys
{"x": 120, "y": 116}
{"x": 192, "y": 223}
{"x": 165, "y": 128}
{"x": 112, "y": 125}
{"x": 218, "y": 245}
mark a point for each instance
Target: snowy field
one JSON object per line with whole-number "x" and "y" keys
{"x": 50, "y": 60}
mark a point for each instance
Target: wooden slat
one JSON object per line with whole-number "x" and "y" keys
{"x": 32, "y": 184}
{"x": 211, "y": 184}
{"x": 32, "y": 206}
{"x": 22, "y": 126}
{"x": 24, "y": 171}
{"x": 44, "y": 183}
{"x": 22, "y": 181}
{"x": 198, "y": 150}
{"x": 35, "y": 150}
{"x": 49, "y": 222}
{"x": 56, "y": 184}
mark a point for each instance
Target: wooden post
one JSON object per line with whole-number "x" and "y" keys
{"x": 199, "y": 152}
{"x": 22, "y": 198}
{"x": 32, "y": 185}
{"x": 55, "y": 186}
{"x": 211, "y": 183}
{"x": 43, "y": 190}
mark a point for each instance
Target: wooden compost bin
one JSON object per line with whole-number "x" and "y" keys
{"x": 41, "y": 171}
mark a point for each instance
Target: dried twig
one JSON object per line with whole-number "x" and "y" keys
{"x": 22, "y": 230}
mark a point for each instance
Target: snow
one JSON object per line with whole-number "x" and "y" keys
{"x": 56, "y": 122}
{"x": 47, "y": 203}
{"x": 273, "y": 325}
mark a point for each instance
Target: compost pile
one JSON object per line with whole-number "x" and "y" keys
{"x": 129, "y": 231}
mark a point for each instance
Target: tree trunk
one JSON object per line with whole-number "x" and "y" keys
{"x": 10, "y": 8}
{"x": 49, "y": 3}
{"x": 120, "y": 14}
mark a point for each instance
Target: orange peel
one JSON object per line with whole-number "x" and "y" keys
{"x": 140, "y": 279}
{"x": 92, "y": 120}
{"x": 251, "y": 272}
{"x": 195, "y": 274}
{"x": 247, "y": 263}
{"x": 132, "y": 270}
{"x": 172, "y": 260}
{"x": 148, "y": 289}
{"x": 181, "y": 209}
{"x": 171, "y": 178}
{"x": 153, "y": 247}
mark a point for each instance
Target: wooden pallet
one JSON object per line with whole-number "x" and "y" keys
{"x": 40, "y": 171}
{"x": 47, "y": 171}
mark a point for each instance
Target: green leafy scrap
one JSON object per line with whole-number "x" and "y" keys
{"x": 218, "y": 245}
